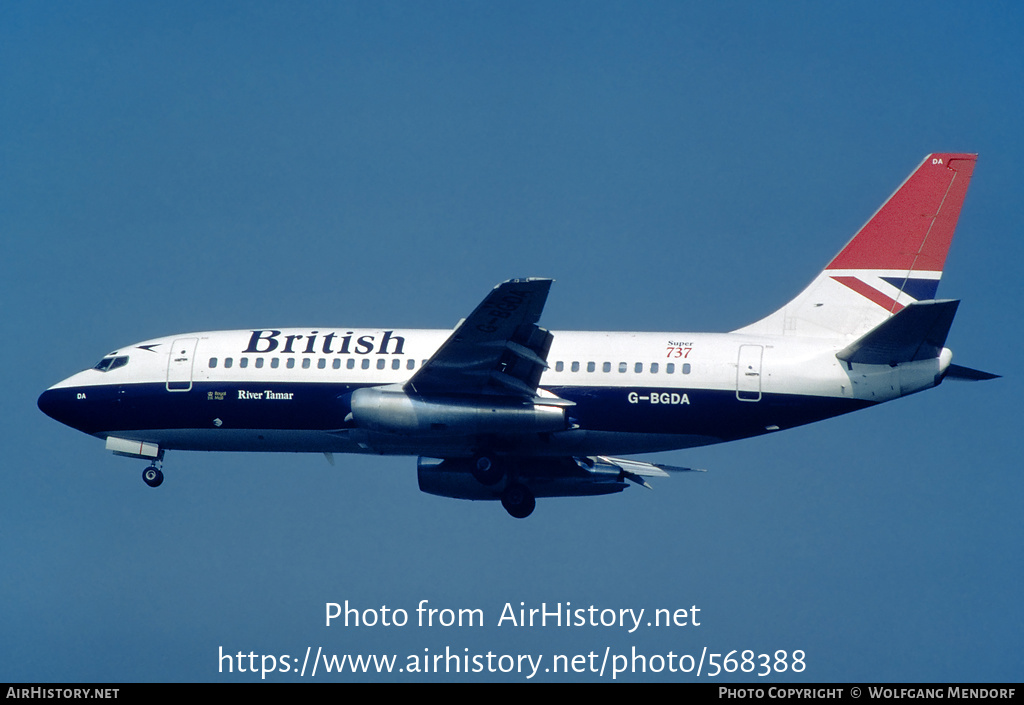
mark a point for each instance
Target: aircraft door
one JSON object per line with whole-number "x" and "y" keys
{"x": 748, "y": 373}
{"x": 179, "y": 365}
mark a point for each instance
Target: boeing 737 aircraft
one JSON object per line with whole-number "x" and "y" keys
{"x": 500, "y": 408}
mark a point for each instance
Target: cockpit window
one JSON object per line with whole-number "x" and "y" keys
{"x": 111, "y": 362}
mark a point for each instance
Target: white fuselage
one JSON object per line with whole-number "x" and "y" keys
{"x": 285, "y": 390}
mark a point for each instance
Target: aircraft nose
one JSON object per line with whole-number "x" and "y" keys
{"x": 51, "y": 403}
{"x": 67, "y": 406}
{"x": 87, "y": 408}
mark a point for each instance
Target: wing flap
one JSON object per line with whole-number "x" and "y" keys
{"x": 634, "y": 470}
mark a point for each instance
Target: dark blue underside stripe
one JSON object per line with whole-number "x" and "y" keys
{"x": 324, "y": 406}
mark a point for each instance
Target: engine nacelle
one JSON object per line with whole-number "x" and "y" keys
{"x": 545, "y": 477}
{"x": 393, "y": 411}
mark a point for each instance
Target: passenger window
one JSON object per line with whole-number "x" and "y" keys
{"x": 274, "y": 362}
{"x": 411, "y": 364}
{"x": 366, "y": 364}
{"x": 213, "y": 362}
{"x": 606, "y": 367}
{"x": 259, "y": 363}
{"x": 575, "y": 367}
{"x": 305, "y": 363}
{"x": 290, "y": 363}
{"x": 559, "y": 366}
{"x": 337, "y": 363}
{"x": 670, "y": 367}
{"x": 396, "y": 364}
{"x": 228, "y": 362}
{"x": 321, "y": 364}
{"x": 623, "y": 367}
{"x": 638, "y": 367}
{"x": 686, "y": 368}
{"x": 592, "y": 366}
{"x": 351, "y": 364}
{"x": 381, "y": 363}
{"x": 654, "y": 368}
{"x": 243, "y": 362}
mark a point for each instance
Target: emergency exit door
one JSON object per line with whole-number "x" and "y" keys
{"x": 179, "y": 365}
{"x": 748, "y": 373}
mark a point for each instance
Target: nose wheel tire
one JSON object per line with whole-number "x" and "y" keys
{"x": 152, "y": 476}
{"x": 518, "y": 500}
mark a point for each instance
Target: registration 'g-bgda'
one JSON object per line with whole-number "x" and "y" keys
{"x": 502, "y": 409}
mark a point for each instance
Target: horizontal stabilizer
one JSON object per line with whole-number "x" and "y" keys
{"x": 917, "y": 332}
{"x": 966, "y": 373}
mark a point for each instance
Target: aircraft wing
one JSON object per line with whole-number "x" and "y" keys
{"x": 498, "y": 349}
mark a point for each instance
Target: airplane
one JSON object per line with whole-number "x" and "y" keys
{"x": 502, "y": 409}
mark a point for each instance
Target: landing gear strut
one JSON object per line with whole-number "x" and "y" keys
{"x": 518, "y": 500}
{"x": 152, "y": 475}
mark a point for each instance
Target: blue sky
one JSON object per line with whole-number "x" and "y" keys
{"x": 674, "y": 166}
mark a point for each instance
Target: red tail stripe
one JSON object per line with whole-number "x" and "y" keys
{"x": 871, "y": 293}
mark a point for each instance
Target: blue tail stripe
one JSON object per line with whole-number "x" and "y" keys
{"x": 920, "y": 289}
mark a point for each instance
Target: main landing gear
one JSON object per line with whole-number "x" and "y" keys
{"x": 518, "y": 500}
{"x": 152, "y": 475}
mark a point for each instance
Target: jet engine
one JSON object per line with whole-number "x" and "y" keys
{"x": 525, "y": 478}
{"x": 394, "y": 411}
{"x": 545, "y": 477}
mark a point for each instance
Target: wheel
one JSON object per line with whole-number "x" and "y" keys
{"x": 486, "y": 470}
{"x": 518, "y": 501}
{"x": 152, "y": 476}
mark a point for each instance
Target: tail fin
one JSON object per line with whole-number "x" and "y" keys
{"x": 893, "y": 261}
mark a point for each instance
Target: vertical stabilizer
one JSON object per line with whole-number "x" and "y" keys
{"x": 893, "y": 261}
